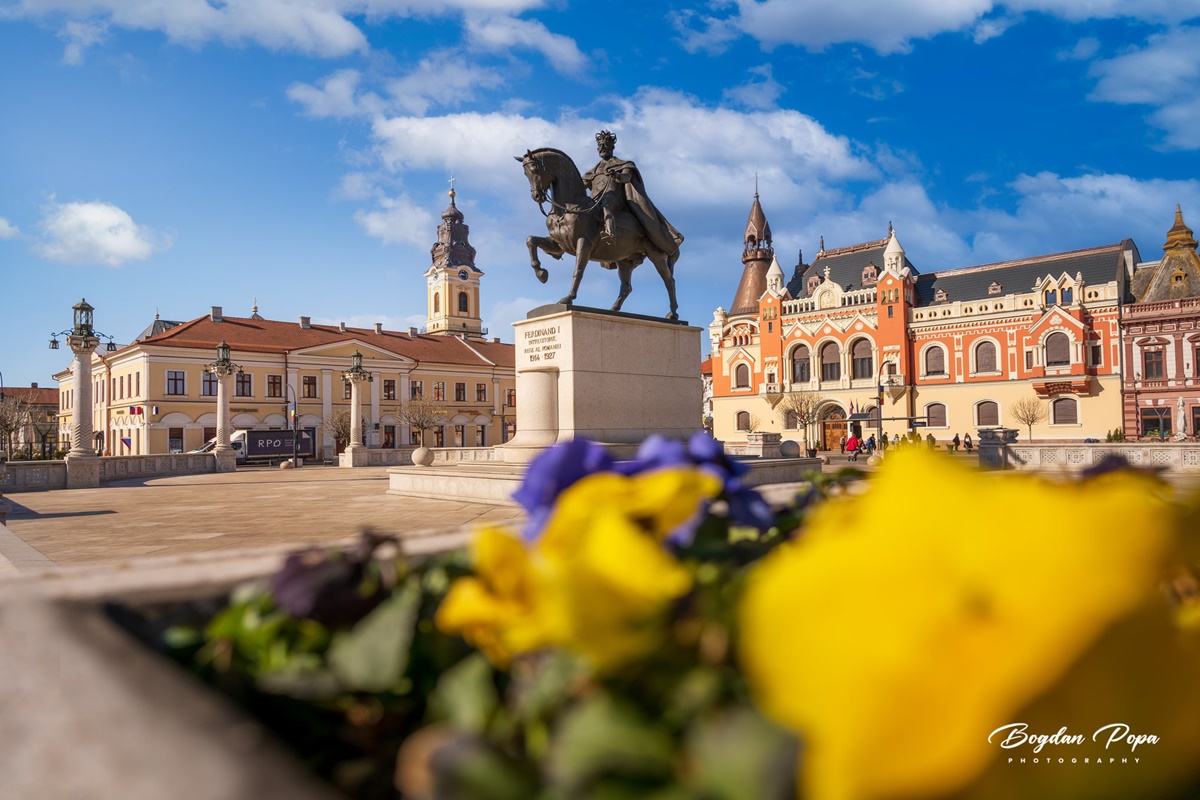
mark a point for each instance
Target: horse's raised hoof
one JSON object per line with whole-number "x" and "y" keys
{"x": 566, "y": 301}
{"x": 673, "y": 316}
{"x": 542, "y": 275}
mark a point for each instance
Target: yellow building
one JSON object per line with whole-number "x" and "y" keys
{"x": 154, "y": 396}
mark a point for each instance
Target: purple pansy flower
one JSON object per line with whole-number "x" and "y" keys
{"x": 551, "y": 472}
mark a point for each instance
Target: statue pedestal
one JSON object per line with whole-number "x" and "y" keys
{"x": 353, "y": 456}
{"x": 83, "y": 471}
{"x": 611, "y": 377}
{"x": 226, "y": 460}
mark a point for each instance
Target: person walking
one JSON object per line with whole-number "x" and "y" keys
{"x": 852, "y": 447}
{"x": 956, "y": 442}
{"x": 842, "y": 444}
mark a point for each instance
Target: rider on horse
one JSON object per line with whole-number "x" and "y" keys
{"x": 616, "y": 185}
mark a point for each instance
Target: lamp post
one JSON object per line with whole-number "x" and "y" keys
{"x": 356, "y": 453}
{"x": 83, "y": 467}
{"x": 223, "y": 368}
{"x": 294, "y": 412}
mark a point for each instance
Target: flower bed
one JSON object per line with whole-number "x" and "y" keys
{"x": 658, "y": 631}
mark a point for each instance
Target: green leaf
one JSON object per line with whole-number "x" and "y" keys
{"x": 467, "y": 769}
{"x": 465, "y": 694}
{"x": 738, "y": 755}
{"x": 372, "y": 656}
{"x": 604, "y": 738}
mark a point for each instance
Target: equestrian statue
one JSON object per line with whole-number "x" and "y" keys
{"x": 616, "y": 224}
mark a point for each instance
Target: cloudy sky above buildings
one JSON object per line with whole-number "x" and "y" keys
{"x": 170, "y": 155}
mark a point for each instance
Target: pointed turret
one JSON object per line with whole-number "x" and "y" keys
{"x": 893, "y": 255}
{"x": 453, "y": 279}
{"x": 453, "y": 248}
{"x": 775, "y": 277}
{"x": 1180, "y": 235}
{"x": 757, "y": 257}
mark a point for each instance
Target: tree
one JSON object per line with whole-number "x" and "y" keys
{"x": 805, "y": 405}
{"x": 1029, "y": 411}
{"x": 337, "y": 424}
{"x": 422, "y": 414}
{"x": 15, "y": 414}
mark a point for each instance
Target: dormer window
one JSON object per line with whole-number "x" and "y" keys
{"x": 813, "y": 283}
{"x": 995, "y": 288}
{"x": 1067, "y": 295}
{"x": 939, "y": 296}
{"x": 1178, "y": 276}
{"x": 1051, "y": 297}
{"x": 870, "y": 274}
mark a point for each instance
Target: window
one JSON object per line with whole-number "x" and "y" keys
{"x": 346, "y": 390}
{"x": 741, "y": 377}
{"x": 177, "y": 385}
{"x": 389, "y": 389}
{"x": 985, "y": 357}
{"x": 137, "y": 384}
{"x": 890, "y": 310}
{"x": 862, "y": 363}
{"x": 437, "y": 303}
{"x": 439, "y": 390}
{"x": 1051, "y": 297}
{"x": 1064, "y": 411}
{"x": 743, "y": 420}
{"x": 935, "y": 413}
{"x": 121, "y": 386}
{"x": 813, "y": 283}
{"x": 1058, "y": 350}
{"x": 464, "y": 305}
{"x": 480, "y": 436}
{"x": 244, "y": 385}
{"x": 801, "y": 365}
{"x": 481, "y": 393}
{"x": 935, "y": 361}
{"x": 995, "y": 288}
{"x": 987, "y": 413}
{"x": 1152, "y": 365}
{"x": 831, "y": 362}
{"x": 308, "y": 386}
{"x": 460, "y": 392}
{"x": 1028, "y": 359}
{"x": 1097, "y": 355}
{"x": 208, "y": 385}
{"x": 869, "y": 275}
{"x": 1067, "y": 296}
{"x": 1156, "y": 421}
{"x": 415, "y": 389}
{"x": 439, "y": 436}
{"x": 414, "y": 437}
{"x": 940, "y": 296}
{"x": 791, "y": 421}
{"x": 389, "y": 437}
{"x": 274, "y": 386}
{"x": 460, "y": 435}
{"x": 510, "y": 398}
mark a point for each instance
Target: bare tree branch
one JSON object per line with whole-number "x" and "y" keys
{"x": 1028, "y": 411}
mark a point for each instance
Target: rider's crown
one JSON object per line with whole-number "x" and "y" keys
{"x": 606, "y": 137}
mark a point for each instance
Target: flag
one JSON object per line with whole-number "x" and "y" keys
{"x": 125, "y": 440}
{"x": 851, "y": 406}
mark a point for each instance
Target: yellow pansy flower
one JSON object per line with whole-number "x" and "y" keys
{"x": 913, "y": 619}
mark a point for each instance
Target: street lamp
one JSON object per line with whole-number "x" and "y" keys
{"x": 891, "y": 381}
{"x": 294, "y": 412}
{"x": 82, "y": 329}
{"x": 222, "y": 368}
{"x": 355, "y": 454}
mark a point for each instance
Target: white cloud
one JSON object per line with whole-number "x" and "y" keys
{"x": 80, "y": 36}
{"x": 501, "y": 34}
{"x": 504, "y": 313}
{"x": 336, "y": 95}
{"x": 703, "y": 33}
{"x": 1165, "y": 73}
{"x": 761, "y": 90}
{"x": 445, "y": 80}
{"x": 398, "y": 220}
{"x": 95, "y": 233}
{"x": 8, "y": 230}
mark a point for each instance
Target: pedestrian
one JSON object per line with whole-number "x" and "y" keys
{"x": 896, "y": 440}
{"x": 932, "y": 442}
{"x": 883, "y": 444}
{"x": 967, "y": 443}
{"x": 852, "y": 447}
{"x": 956, "y": 442}
{"x": 842, "y": 444}
{"x": 871, "y": 445}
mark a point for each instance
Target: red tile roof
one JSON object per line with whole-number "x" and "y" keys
{"x": 706, "y": 366}
{"x": 38, "y": 396}
{"x": 274, "y": 336}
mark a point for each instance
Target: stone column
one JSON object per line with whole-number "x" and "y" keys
{"x": 83, "y": 465}
{"x": 223, "y": 452}
{"x": 356, "y": 452}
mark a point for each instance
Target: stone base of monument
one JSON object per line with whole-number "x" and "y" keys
{"x": 226, "y": 461}
{"x": 83, "y": 471}
{"x": 611, "y": 377}
{"x": 353, "y": 456}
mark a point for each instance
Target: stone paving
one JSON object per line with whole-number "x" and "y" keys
{"x": 251, "y": 508}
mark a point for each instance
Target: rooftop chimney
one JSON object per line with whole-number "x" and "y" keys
{"x": 306, "y": 322}
{"x": 412, "y": 331}
{"x": 379, "y": 327}
{"x": 495, "y": 340}
{"x": 215, "y": 314}
{"x": 342, "y": 327}
{"x": 33, "y": 385}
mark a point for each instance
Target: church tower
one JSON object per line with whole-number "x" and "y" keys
{"x": 453, "y": 279}
{"x": 757, "y": 257}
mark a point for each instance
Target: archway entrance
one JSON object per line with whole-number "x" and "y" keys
{"x": 833, "y": 428}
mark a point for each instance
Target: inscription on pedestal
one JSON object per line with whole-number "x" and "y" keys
{"x": 541, "y": 344}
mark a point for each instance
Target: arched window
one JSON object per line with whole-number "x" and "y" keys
{"x": 985, "y": 357}
{"x": 1058, "y": 350}
{"x": 1051, "y": 297}
{"x": 935, "y": 361}
{"x": 790, "y": 420}
{"x": 935, "y": 413}
{"x": 1067, "y": 295}
{"x": 437, "y": 303}
{"x": 801, "y": 365}
{"x": 987, "y": 414}
{"x": 741, "y": 377}
{"x": 464, "y": 304}
{"x": 743, "y": 420}
{"x": 831, "y": 362}
{"x": 1064, "y": 411}
{"x": 862, "y": 363}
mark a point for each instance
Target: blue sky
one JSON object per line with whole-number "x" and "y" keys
{"x": 178, "y": 154}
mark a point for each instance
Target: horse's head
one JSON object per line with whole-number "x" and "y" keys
{"x": 537, "y": 174}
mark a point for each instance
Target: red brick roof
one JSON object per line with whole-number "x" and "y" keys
{"x": 38, "y": 396}
{"x": 273, "y": 336}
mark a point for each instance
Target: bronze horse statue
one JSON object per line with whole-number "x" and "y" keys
{"x": 576, "y": 226}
